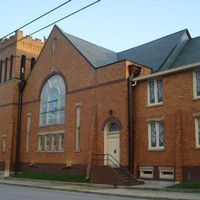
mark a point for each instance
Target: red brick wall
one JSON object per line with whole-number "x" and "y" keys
{"x": 9, "y": 91}
{"x": 179, "y": 130}
{"x": 105, "y": 87}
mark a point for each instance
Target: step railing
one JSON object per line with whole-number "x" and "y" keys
{"x": 109, "y": 160}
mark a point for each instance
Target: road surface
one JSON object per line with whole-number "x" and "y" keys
{"x": 8, "y": 192}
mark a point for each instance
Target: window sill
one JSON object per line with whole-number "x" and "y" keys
{"x": 77, "y": 151}
{"x": 197, "y": 148}
{"x": 154, "y": 105}
{"x": 49, "y": 125}
{"x": 156, "y": 149}
{"x": 146, "y": 178}
{"x": 50, "y": 151}
{"x": 196, "y": 98}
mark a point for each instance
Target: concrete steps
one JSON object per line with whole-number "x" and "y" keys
{"x": 127, "y": 178}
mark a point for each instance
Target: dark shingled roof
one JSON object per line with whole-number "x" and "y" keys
{"x": 168, "y": 52}
{"x": 190, "y": 53}
{"x": 96, "y": 55}
{"x": 155, "y": 53}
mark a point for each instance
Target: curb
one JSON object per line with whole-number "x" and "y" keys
{"x": 162, "y": 189}
{"x": 106, "y": 185}
{"x": 61, "y": 182}
{"x": 92, "y": 192}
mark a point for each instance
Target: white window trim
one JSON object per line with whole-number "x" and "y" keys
{"x": 4, "y": 141}
{"x": 60, "y": 141}
{"x": 46, "y": 137}
{"x": 53, "y": 139}
{"x": 155, "y": 93}
{"x": 47, "y": 119}
{"x": 166, "y": 169}
{"x": 40, "y": 145}
{"x": 78, "y": 125}
{"x": 28, "y": 129}
{"x": 54, "y": 44}
{"x": 157, "y": 148}
{"x": 196, "y": 133}
{"x": 50, "y": 134}
{"x": 143, "y": 175}
{"x": 195, "y": 96}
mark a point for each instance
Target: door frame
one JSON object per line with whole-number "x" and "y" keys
{"x": 106, "y": 135}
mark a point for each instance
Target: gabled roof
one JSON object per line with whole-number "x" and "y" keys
{"x": 168, "y": 52}
{"x": 190, "y": 53}
{"x": 96, "y": 55}
{"x": 155, "y": 53}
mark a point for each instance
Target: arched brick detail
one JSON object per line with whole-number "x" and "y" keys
{"x": 109, "y": 120}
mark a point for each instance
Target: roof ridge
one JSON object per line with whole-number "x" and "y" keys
{"x": 90, "y": 42}
{"x": 84, "y": 40}
{"x": 96, "y": 55}
{"x": 184, "y": 30}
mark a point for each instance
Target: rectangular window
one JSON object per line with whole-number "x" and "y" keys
{"x": 1, "y": 65}
{"x": 3, "y": 144}
{"x": 51, "y": 142}
{"x": 146, "y": 172}
{"x": 78, "y": 112}
{"x": 47, "y": 142}
{"x": 196, "y": 83}
{"x": 197, "y": 131}
{"x": 155, "y": 92}
{"x": 156, "y": 135}
{"x": 54, "y": 142}
{"x": 61, "y": 142}
{"x": 5, "y": 70}
{"x": 40, "y": 143}
{"x": 28, "y": 127}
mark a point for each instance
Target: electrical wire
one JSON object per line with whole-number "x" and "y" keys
{"x": 25, "y": 25}
{"x": 67, "y": 16}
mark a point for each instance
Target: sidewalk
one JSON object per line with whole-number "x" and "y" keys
{"x": 147, "y": 191}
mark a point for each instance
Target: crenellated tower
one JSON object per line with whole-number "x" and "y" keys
{"x": 18, "y": 55}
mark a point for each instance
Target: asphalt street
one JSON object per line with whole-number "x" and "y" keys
{"x": 8, "y": 192}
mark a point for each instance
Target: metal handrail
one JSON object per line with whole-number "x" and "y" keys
{"x": 118, "y": 165}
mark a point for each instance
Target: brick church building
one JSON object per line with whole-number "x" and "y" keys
{"x": 70, "y": 106}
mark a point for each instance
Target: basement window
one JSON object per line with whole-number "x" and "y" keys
{"x": 166, "y": 173}
{"x": 146, "y": 172}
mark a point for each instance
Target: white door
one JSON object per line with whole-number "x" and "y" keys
{"x": 113, "y": 149}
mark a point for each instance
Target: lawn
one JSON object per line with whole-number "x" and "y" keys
{"x": 186, "y": 186}
{"x": 52, "y": 177}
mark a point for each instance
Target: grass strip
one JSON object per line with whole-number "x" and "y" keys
{"x": 52, "y": 177}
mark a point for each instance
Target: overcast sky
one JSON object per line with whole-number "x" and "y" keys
{"x": 114, "y": 24}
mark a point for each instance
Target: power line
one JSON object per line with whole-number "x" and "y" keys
{"x": 67, "y": 16}
{"x": 25, "y": 25}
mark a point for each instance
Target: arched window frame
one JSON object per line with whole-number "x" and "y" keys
{"x": 112, "y": 128}
{"x": 52, "y": 112}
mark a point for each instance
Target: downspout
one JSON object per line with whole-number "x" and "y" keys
{"x": 22, "y": 85}
{"x": 130, "y": 124}
{"x": 133, "y": 72}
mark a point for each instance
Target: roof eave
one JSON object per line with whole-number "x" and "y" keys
{"x": 168, "y": 72}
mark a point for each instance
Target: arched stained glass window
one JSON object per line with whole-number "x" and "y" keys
{"x": 52, "y": 102}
